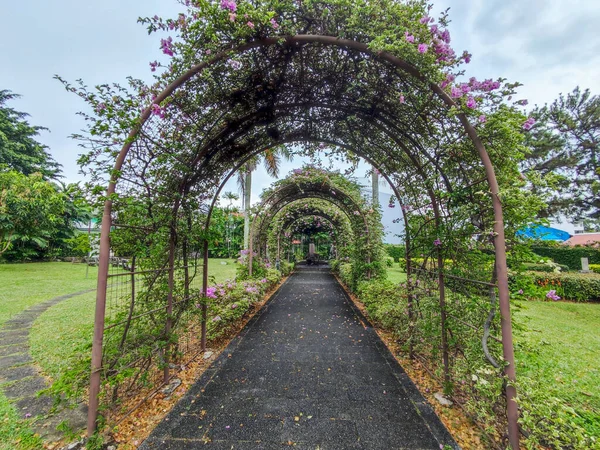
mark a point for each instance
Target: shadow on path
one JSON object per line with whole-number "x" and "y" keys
{"x": 309, "y": 372}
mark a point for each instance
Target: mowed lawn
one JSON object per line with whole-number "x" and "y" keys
{"x": 560, "y": 349}
{"x": 24, "y": 285}
{"x": 396, "y": 274}
{"x": 63, "y": 331}
{"x": 66, "y": 328}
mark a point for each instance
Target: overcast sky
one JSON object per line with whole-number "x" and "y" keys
{"x": 549, "y": 45}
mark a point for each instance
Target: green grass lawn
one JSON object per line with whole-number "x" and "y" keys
{"x": 67, "y": 327}
{"x": 396, "y": 274}
{"x": 60, "y": 333}
{"x": 560, "y": 349}
{"x": 24, "y": 285}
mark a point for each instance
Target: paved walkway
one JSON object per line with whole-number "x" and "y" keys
{"x": 20, "y": 380}
{"x": 306, "y": 373}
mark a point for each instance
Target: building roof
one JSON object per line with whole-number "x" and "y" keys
{"x": 543, "y": 233}
{"x": 584, "y": 239}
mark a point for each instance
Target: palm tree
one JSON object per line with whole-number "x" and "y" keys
{"x": 271, "y": 159}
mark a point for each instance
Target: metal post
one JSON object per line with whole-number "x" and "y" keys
{"x": 204, "y": 298}
{"x": 99, "y": 319}
{"x": 169, "y": 321}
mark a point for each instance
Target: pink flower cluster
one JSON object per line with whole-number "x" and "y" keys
{"x": 529, "y": 123}
{"x": 166, "y": 46}
{"x": 211, "y": 292}
{"x": 229, "y": 5}
{"x": 552, "y": 295}
{"x": 157, "y": 110}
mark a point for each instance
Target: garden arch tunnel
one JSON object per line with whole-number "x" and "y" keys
{"x": 212, "y": 115}
{"x": 314, "y": 183}
{"x": 337, "y": 221}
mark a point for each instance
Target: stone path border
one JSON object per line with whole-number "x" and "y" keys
{"x": 20, "y": 380}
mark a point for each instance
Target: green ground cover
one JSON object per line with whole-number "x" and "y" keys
{"x": 24, "y": 285}
{"x": 396, "y": 274}
{"x": 559, "y": 348}
{"x": 63, "y": 331}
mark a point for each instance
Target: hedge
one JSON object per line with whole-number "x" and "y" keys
{"x": 595, "y": 268}
{"x": 545, "y": 267}
{"x": 571, "y": 286}
{"x": 569, "y": 256}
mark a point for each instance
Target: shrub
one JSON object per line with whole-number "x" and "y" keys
{"x": 548, "y": 266}
{"x": 389, "y": 262}
{"x": 395, "y": 251}
{"x": 571, "y": 286}
{"x": 335, "y": 265}
{"x": 595, "y": 268}
{"x": 345, "y": 272}
{"x": 569, "y": 256}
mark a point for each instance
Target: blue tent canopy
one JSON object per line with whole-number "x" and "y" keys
{"x": 543, "y": 233}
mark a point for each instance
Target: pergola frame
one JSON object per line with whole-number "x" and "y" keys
{"x": 379, "y": 56}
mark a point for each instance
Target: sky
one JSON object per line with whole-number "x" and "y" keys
{"x": 550, "y": 46}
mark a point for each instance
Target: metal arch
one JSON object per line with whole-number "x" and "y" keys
{"x": 499, "y": 236}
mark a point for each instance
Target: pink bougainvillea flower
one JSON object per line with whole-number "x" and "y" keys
{"x": 208, "y": 51}
{"x": 230, "y": 5}
{"x": 523, "y": 102}
{"x": 264, "y": 280}
{"x": 409, "y": 37}
{"x": 529, "y": 123}
{"x": 232, "y": 17}
{"x": 216, "y": 318}
{"x": 520, "y": 292}
{"x": 482, "y": 119}
{"x": 274, "y": 24}
{"x": 424, "y": 19}
{"x": 456, "y": 92}
{"x": 471, "y": 103}
{"x": 437, "y": 242}
{"x": 552, "y": 295}
{"x": 250, "y": 24}
{"x": 158, "y": 111}
{"x": 402, "y": 99}
{"x": 211, "y": 292}
{"x": 166, "y": 46}
{"x": 100, "y": 107}
{"x": 467, "y": 57}
{"x": 234, "y": 305}
{"x": 422, "y": 48}
{"x": 153, "y": 66}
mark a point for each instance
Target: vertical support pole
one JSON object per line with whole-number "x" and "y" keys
{"x": 99, "y": 318}
{"x": 409, "y": 288}
{"x": 508, "y": 352}
{"x": 204, "y": 298}
{"x": 442, "y": 292}
{"x": 169, "y": 321}
{"x": 250, "y": 251}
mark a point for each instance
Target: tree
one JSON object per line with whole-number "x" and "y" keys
{"x": 31, "y": 213}
{"x": 18, "y": 149}
{"x": 564, "y": 151}
{"x": 272, "y": 160}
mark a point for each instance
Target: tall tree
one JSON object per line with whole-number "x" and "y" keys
{"x": 565, "y": 146}
{"x": 271, "y": 159}
{"x": 18, "y": 149}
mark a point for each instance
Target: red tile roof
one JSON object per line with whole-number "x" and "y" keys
{"x": 584, "y": 239}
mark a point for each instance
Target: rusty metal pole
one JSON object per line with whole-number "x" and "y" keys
{"x": 204, "y": 298}
{"x": 508, "y": 353}
{"x": 442, "y": 293}
{"x": 250, "y": 248}
{"x": 169, "y": 321}
{"x": 96, "y": 369}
